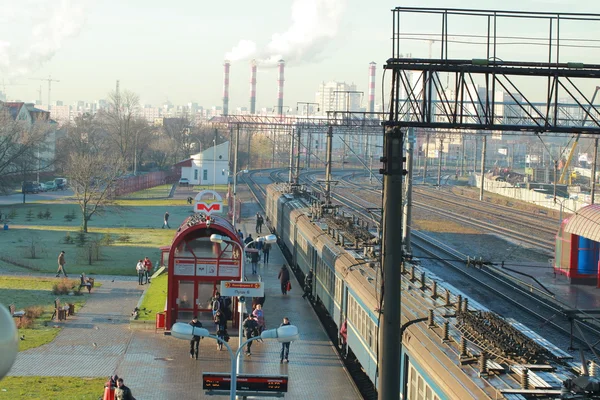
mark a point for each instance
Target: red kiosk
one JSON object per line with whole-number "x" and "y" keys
{"x": 197, "y": 266}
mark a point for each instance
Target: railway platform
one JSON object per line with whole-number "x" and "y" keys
{"x": 547, "y": 282}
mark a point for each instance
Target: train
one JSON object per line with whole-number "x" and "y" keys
{"x": 451, "y": 346}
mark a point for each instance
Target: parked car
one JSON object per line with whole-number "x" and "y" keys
{"x": 61, "y": 183}
{"x": 184, "y": 182}
{"x": 30, "y": 187}
{"x": 50, "y": 186}
{"x": 42, "y": 186}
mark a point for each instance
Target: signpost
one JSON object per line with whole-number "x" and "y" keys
{"x": 247, "y": 289}
{"x": 248, "y": 385}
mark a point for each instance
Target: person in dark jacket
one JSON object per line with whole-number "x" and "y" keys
{"x": 254, "y": 258}
{"x": 250, "y": 328}
{"x": 266, "y": 250}
{"x": 122, "y": 392}
{"x": 308, "y": 281}
{"x": 195, "y": 342}
{"x": 285, "y": 346}
{"x": 166, "y": 221}
{"x": 221, "y": 323}
{"x": 284, "y": 278}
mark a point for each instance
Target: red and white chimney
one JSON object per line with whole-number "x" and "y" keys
{"x": 226, "y": 88}
{"x": 281, "y": 65}
{"x": 372, "y": 67}
{"x": 253, "y": 87}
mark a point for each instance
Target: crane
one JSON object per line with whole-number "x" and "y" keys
{"x": 563, "y": 174}
{"x": 49, "y": 80}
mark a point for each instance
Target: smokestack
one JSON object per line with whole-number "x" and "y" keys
{"x": 253, "y": 87}
{"x": 226, "y": 88}
{"x": 281, "y": 65}
{"x": 372, "y": 66}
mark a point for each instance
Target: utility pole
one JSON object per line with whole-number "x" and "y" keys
{"x": 426, "y": 157}
{"x": 309, "y": 141}
{"x": 328, "y": 166}
{"x": 408, "y": 192}
{"x": 440, "y": 155}
{"x": 297, "y": 177}
{"x": 392, "y": 258}
{"x": 462, "y": 159}
{"x": 594, "y": 169}
{"x": 482, "y": 168}
{"x": 235, "y": 168}
{"x": 290, "y": 178}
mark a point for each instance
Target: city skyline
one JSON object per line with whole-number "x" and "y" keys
{"x": 176, "y": 53}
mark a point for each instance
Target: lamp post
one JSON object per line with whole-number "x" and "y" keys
{"x": 244, "y": 171}
{"x": 283, "y": 334}
{"x": 241, "y": 300}
{"x": 214, "y": 164}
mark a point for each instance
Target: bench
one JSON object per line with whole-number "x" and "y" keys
{"x": 14, "y": 313}
{"x": 87, "y": 283}
{"x": 61, "y": 312}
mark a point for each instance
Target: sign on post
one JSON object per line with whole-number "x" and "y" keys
{"x": 249, "y": 289}
{"x": 245, "y": 383}
{"x": 208, "y": 207}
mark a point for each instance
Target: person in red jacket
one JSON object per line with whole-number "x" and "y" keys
{"x": 148, "y": 268}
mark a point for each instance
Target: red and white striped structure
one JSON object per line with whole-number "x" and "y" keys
{"x": 372, "y": 67}
{"x": 281, "y": 65}
{"x": 226, "y": 87}
{"x": 253, "y": 87}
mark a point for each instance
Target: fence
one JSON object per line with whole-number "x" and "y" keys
{"x": 140, "y": 182}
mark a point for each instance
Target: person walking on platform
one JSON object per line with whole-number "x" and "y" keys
{"x": 308, "y": 281}
{"x": 259, "y": 223}
{"x": 284, "y": 279}
{"x": 195, "y": 342}
{"x": 250, "y": 329}
{"x": 260, "y": 318}
{"x": 240, "y": 234}
{"x": 258, "y": 301}
{"x": 249, "y": 239}
{"x": 266, "y": 249}
{"x": 285, "y": 346}
{"x": 140, "y": 271}
{"x": 122, "y": 392}
{"x": 221, "y": 323}
{"x": 61, "y": 265}
{"x": 166, "y": 221}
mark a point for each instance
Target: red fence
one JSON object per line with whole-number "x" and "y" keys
{"x": 140, "y": 182}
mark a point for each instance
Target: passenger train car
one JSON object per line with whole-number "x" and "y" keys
{"x": 452, "y": 347}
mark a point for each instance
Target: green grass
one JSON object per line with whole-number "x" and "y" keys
{"x": 161, "y": 191}
{"x": 51, "y": 388}
{"x": 25, "y": 292}
{"x": 154, "y": 300}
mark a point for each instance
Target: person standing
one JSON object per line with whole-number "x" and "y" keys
{"x": 216, "y": 304}
{"x": 259, "y": 223}
{"x": 284, "y": 279}
{"x": 285, "y": 346}
{"x": 250, "y": 327}
{"x": 122, "y": 392}
{"x": 240, "y": 234}
{"x": 308, "y": 281}
{"x": 140, "y": 270}
{"x": 147, "y": 268}
{"x": 266, "y": 249}
{"x": 166, "y": 221}
{"x": 61, "y": 265}
{"x": 254, "y": 257}
{"x": 195, "y": 342}
{"x": 221, "y": 323}
{"x": 260, "y": 317}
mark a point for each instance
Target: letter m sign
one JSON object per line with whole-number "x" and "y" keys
{"x": 208, "y": 209}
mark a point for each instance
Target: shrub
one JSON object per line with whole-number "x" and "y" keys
{"x": 124, "y": 238}
{"x": 47, "y": 214}
{"x": 34, "y": 312}
{"x": 25, "y": 322}
{"x": 12, "y": 213}
{"x": 106, "y": 240}
{"x": 63, "y": 287}
{"x": 29, "y": 215}
{"x": 40, "y": 214}
{"x": 81, "y": 238}
{"x": 68, "y": 239}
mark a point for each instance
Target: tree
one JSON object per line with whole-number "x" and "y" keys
{"x": 20, "y": 145}
{"x": 93, "y": 176}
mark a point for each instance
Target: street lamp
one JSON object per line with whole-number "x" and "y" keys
{"x": 244, "y": 171}
{"x": 241, "y": 300}
{"x": 214, "y": 164}
{"x": 283, "y": 334}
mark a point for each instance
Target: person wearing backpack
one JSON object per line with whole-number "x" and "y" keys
{"x": 266, "y": 249}
{"x": 251, "y": 329}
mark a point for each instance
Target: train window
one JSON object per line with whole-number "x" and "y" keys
{"x": 338, "y": 290}
{"x": 418, "y": 389}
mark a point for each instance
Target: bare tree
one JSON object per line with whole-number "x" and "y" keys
{"x": 20, "y": 145}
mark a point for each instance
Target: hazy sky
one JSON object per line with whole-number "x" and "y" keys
{"x": 175, "y": 50}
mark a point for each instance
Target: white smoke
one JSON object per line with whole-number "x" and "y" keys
{"x": 52, "y": 22}
{"x": 314, "y": 24}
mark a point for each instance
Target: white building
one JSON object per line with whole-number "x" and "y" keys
{"x": 338, "y": 96}
{"x": 208, "y": 167}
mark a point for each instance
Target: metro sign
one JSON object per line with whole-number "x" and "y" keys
{"x": 236, "y": 288}
{"x": 208, "y": 207}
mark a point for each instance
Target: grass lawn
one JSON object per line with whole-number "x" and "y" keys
{"x": 156, "y": 192}
{"x": 134, "y": 228}
{"x": 26, "y": 292}
{"x": 155, "y": 298}
{"x": 51, "y": 388}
